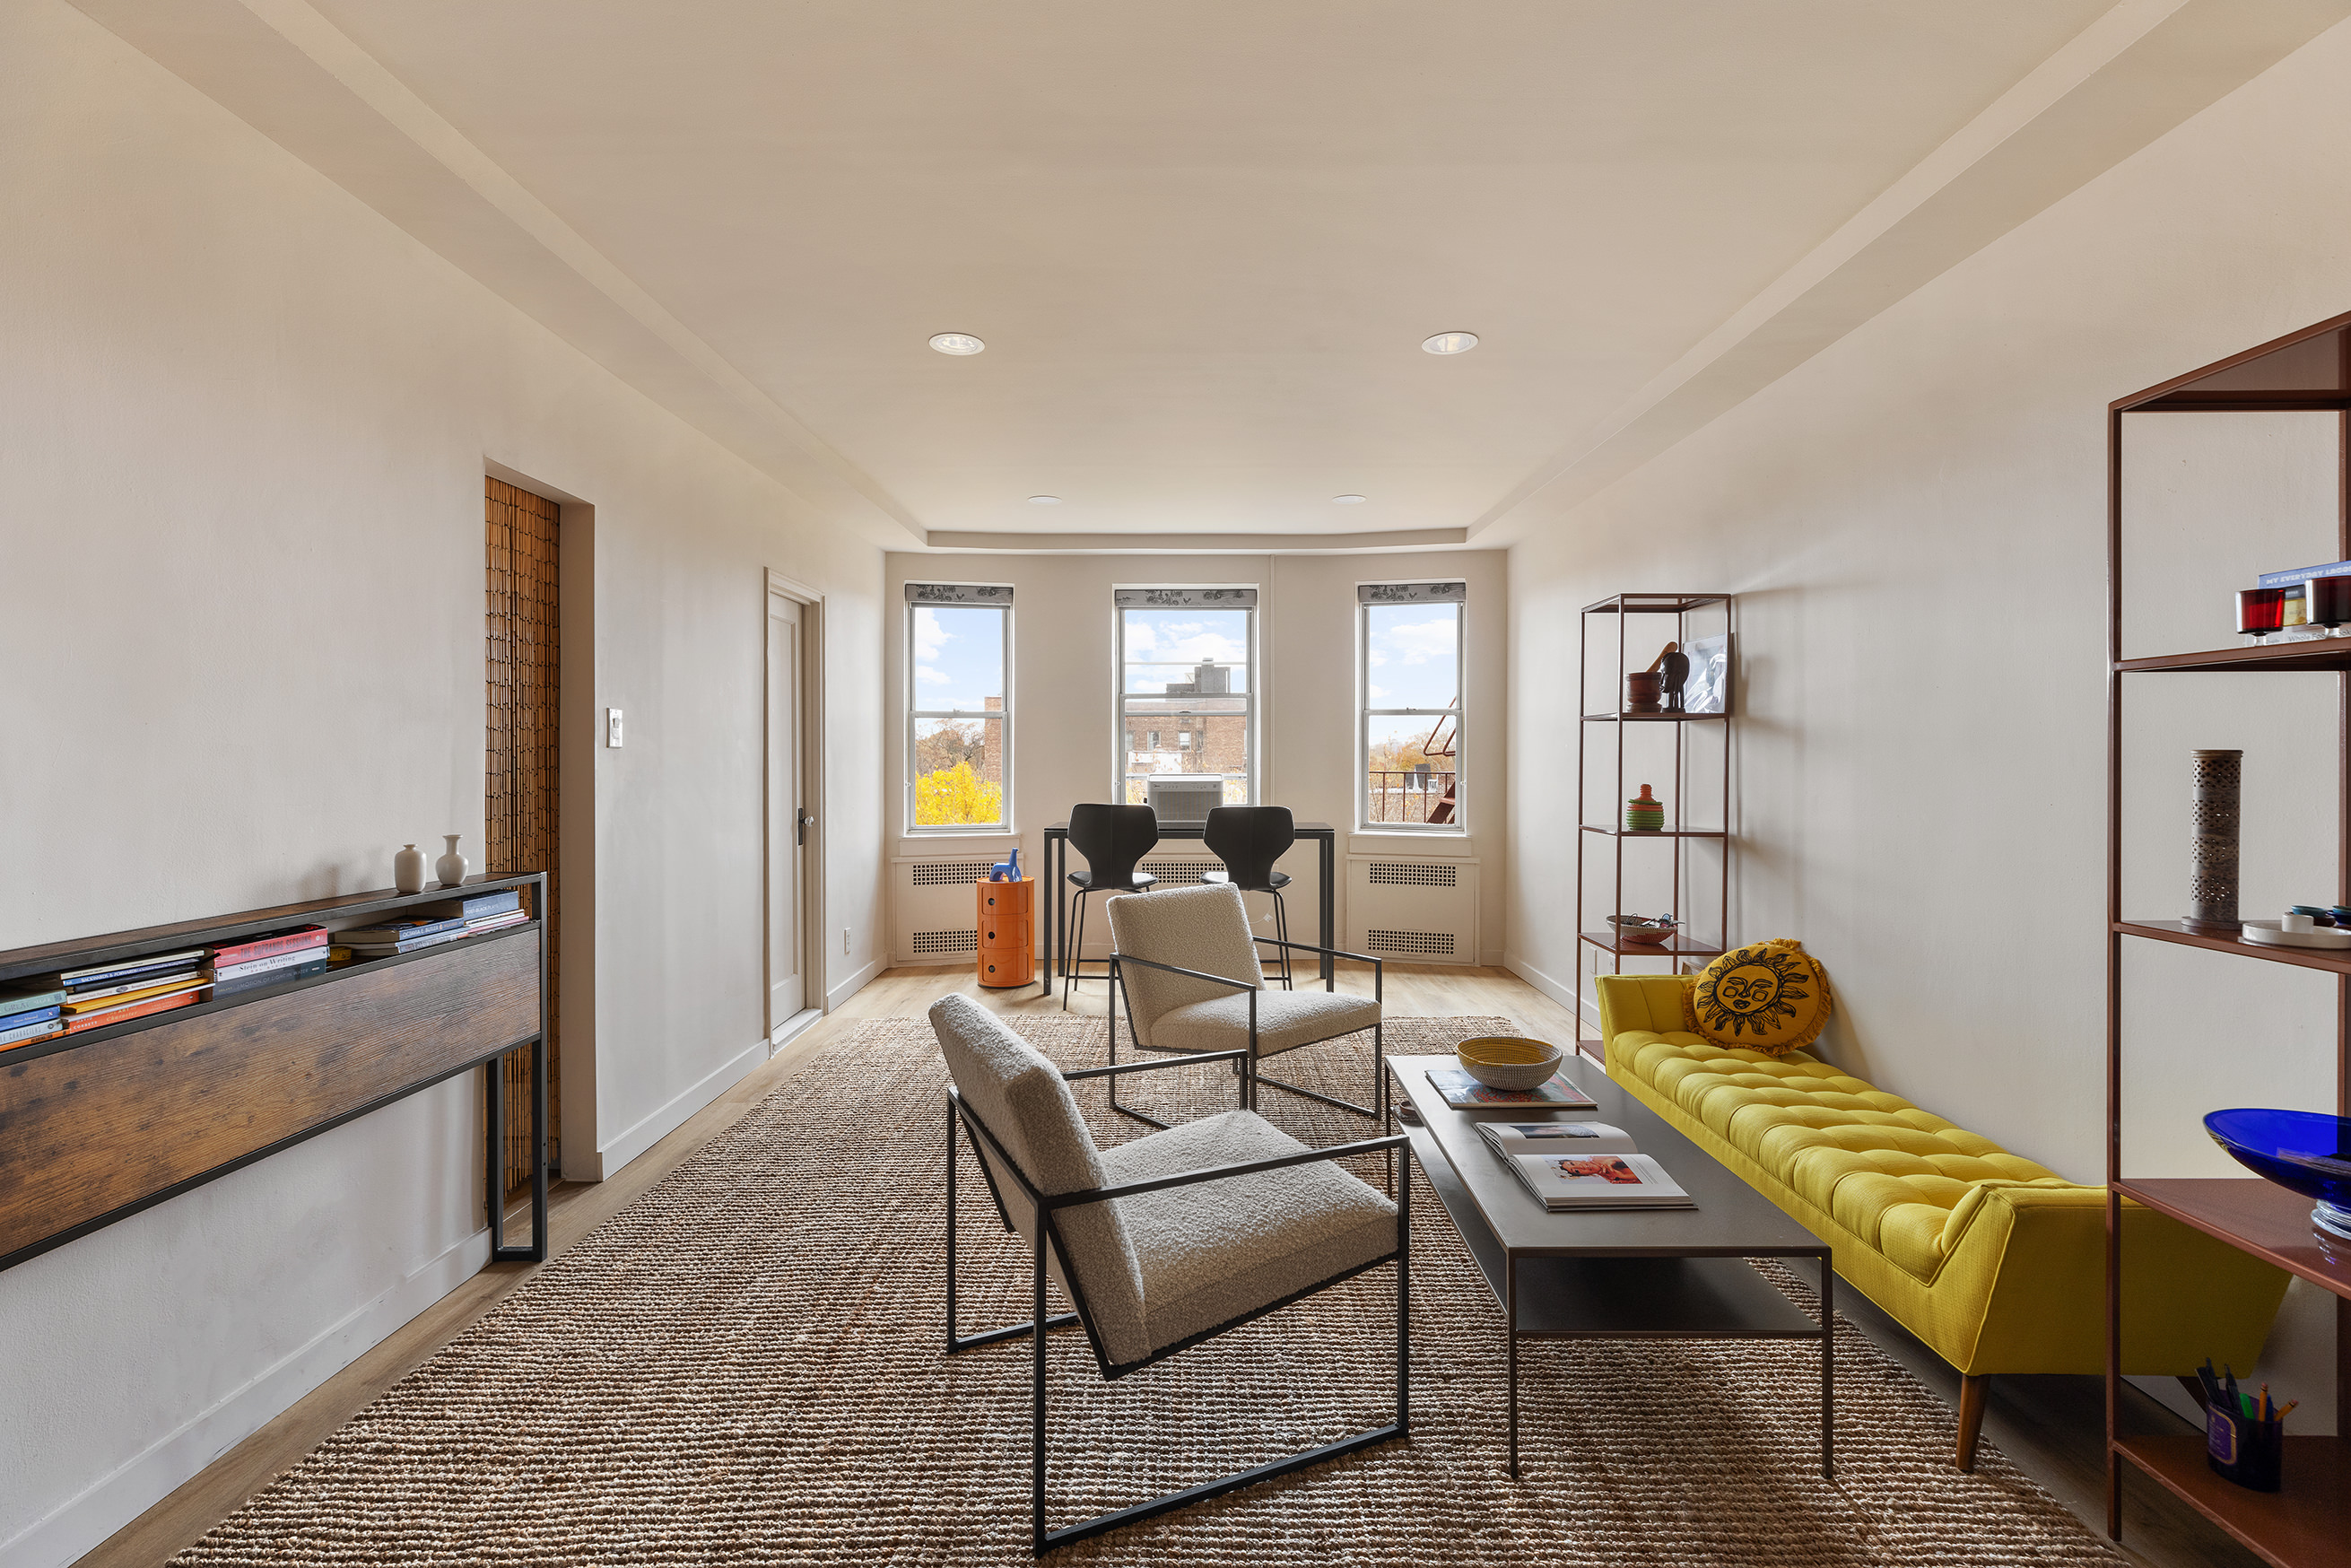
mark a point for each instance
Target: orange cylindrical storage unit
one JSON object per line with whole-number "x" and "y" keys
{"x": 1007, "y": 946}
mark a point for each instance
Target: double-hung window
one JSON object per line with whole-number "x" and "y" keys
{"x": 1187, "y": 689}
{"x": 958, "y": 707}
{"x": 1408, "y": 645}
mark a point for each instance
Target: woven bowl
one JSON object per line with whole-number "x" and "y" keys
{"x": 1507, "y": 1062}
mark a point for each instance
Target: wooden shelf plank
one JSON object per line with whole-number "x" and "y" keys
{"x": 2298, "y": 1527}
{"x": 1655, "y": 832}
{"x": 1652, "y": 604}
{"x": 1607, "y": 942}
{"x": 1651, "y": 717}
{"x": 244, "y": 995}
{"x": 2253, "y": 1216}
{"x": 2335, "y": 960}
{"x": 85, "y": 952}
{"x": 2308, "y": 654}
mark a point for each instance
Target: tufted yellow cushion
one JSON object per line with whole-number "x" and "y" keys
{"x": 1769, "y": 997}
{"x": 1893, "y": 1175}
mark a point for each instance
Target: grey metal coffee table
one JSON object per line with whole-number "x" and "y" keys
{"x": 1673, "y": 1273}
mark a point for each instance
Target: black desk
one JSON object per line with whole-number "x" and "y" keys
{"x": 1057, "y": 867}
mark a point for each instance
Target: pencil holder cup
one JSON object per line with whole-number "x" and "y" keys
{"x": 2242, "y": 1450}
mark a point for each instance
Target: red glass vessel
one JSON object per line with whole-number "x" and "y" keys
{"x": 2260, "y": 610}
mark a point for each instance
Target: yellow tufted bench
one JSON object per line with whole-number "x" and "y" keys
{"x": 1996, "y": 1263}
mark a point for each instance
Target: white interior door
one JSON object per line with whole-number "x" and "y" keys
{"x": 788, "y": 819}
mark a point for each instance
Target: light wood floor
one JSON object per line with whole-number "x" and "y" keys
{"x": 2051, "y": 1426}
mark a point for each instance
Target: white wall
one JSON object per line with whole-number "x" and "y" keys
{"x": 1915, "y": 520}
{"x": 244, "y": 422}
{"x": 1065, "y": 635}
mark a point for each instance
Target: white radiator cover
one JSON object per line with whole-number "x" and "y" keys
{"x": 1411, "y": 909}
{"x": 935, "y": 915}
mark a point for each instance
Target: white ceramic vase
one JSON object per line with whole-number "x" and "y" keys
{"x": 408, "y": 869}
{"x": 451, "y": 867}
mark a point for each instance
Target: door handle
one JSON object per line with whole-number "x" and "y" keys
{"x": 806, "y": 822}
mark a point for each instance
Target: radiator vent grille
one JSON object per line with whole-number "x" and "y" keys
{"x": 947, "y": 941}
{"x": 950, "y": 874}
{"x": 1406, "y": 874}
{"x": 1423, "y": 943}
{"x": 1178, "y": 874}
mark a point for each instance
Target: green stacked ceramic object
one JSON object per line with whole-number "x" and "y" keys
{"x": 1644, "y": 814}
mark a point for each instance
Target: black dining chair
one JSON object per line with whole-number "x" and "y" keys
{"x": 1249, "y": 839}
{"x": 1112, "y": 838}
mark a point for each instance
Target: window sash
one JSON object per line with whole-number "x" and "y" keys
{"x": 1124, "y": 600}
{"x": 918, "y": 595}
{"x": 1373, "y": 596}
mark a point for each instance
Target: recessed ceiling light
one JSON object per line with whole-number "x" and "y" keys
{"x": 1442, "y": 343}
{"x": 1044, "y": 500}
{"x": 1346, "y": 500}
{"x": 964, "y": 343}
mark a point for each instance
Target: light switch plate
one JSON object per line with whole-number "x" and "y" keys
{"x": 611, "y": 727}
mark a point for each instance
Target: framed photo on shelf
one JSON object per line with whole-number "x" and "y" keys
{"x": 1708, "y": 690}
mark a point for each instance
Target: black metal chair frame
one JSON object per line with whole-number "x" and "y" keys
{"x": 1273, "y": 884}
{"x": 1377, "y": 1110}
{"x": 1041, "y": 1540}
{"x": 1073, "y": 965}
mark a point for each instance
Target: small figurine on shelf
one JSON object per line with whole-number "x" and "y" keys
{"x": 1644, "y": 813}
{"x": 1674, "y": 664}
{"x": 1007, "y": 871}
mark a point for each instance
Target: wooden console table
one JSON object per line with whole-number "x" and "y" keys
{"x": 96, "y": 1126}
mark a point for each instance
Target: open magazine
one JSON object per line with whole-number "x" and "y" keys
{"x": 1570, "y": 1165}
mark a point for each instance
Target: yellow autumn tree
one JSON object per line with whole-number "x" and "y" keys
{"x": 947, "y": 797}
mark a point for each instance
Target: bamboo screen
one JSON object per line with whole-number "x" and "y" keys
{"x": 520, "y": 772}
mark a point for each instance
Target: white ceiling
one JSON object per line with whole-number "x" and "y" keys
{"x": 1204, "y": 240}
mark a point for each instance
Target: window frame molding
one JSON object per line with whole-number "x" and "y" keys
{"x": 1253, "y": 764}
{"x": 1369, "y": 598}
{"x": 1005, "y": 827}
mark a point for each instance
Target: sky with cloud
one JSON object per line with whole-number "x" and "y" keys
{"x": 1413, "y": 649}
{"x": 958, "y": 657}
{"x": 1163, "y": 645}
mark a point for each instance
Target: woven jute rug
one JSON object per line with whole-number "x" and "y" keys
{"x": 746, "y": 1366}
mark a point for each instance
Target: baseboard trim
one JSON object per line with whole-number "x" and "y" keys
{"x": 652, "y": 1129}
{"x": 797, "y": 1024}
{"x": 1564, "y": 995}
{"x": 855, "y": 983}
{"x": 115, "y": 1498}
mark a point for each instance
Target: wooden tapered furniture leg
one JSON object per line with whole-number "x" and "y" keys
{"x": 1971, "y": 1410}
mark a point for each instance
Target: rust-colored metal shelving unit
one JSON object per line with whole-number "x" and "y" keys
{"x": 1603, "y": 945}
{"x": 2304, "y": 1523}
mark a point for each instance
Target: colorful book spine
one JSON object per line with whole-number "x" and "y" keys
{"x": 25, "y": 1034}
{"x": 495, "y": 921}
{"x": 270, "y": 946}
{"x": 390, "y": 949}
{"x": 144, "y": 982}
{"x": 28, "y": 1018}
{"x": 2302, "y": 574}
{"x": 220, "y": 971}
{"x": 481, "y": 906}
{"x": 25, "y": 1001}
{"x": 80, "y": 1006}
{"x": 136, "y": 1009}
{"x": 313, "y": 963}
{"x": 397, "y": 931}
{"x": 111, "y": 974}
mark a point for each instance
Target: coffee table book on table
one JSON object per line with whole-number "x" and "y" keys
{"x": 1663, "y": 616}
{"x": 2309, "y": 1521}
{"x": 1657, "y": 1273}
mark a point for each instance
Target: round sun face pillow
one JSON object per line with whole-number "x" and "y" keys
{"x": 1771, "y": 997}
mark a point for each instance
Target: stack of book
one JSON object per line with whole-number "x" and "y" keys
{"x": 26, "y": 1016}
{"x": 434, "y": 924}
{"x": 135, "y": 988}
{"x": 289, "y": 954}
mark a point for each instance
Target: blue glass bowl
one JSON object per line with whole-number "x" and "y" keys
{"x": 2303, "y": 1151}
